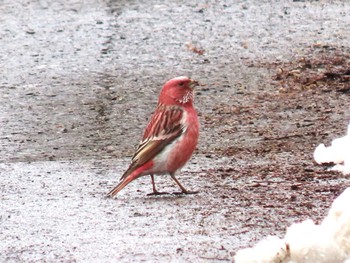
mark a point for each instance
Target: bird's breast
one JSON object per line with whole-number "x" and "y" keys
{"x": 185, "y": 145}
{"x": 175, "y": 155}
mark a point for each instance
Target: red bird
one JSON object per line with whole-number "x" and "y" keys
{"x": 170, "y": 136}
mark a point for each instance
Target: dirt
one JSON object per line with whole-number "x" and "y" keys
{"x": 80, "y": 81}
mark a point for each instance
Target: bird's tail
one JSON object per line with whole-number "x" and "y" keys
{"x": 130, "y": 175}
{"x": 119, "y": 187}
{"x": 124, "y": 182}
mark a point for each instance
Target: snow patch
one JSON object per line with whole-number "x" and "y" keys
{"x": 307, "y": 242}
{"x": 338, "y": 153}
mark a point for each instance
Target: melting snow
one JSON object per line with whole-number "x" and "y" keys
{"x": 338, "y": 153}
{"x": 307, "y": 242}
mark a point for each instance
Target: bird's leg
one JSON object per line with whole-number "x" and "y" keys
{"x": 153, "y": 184}
{"x": 183, "y": 189}
{"x": 155, "y": 192}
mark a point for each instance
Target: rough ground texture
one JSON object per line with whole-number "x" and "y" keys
{"x": 79, "y": 80}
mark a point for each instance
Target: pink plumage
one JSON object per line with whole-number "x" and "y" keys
{"x": 169, "y": 138}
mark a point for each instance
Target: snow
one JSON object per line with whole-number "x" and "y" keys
{"x": 270, "y": 249}
{"x": 307, "y": 241}
{"x": 338, "y": 153}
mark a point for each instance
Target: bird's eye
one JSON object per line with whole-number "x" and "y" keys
{"x": 181, "y": 84}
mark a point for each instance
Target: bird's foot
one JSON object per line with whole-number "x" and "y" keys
{"x": 158, "y": 193}
{"x": 185, "y": 193}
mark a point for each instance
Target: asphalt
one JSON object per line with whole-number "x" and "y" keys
{"x": 79, "y": 80}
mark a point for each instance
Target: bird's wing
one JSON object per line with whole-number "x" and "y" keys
{"x": 163, "y": 128}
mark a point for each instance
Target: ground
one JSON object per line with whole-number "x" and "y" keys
{"x": 79, "y": 82}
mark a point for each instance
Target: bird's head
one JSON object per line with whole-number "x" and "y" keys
{"x": 178, "y": 91}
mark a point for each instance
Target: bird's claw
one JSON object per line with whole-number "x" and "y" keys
{"x": 158, "y": 193}
{"x": 185, "y": 193}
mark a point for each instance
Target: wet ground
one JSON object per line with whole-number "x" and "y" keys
{"x": 79, "y": 82}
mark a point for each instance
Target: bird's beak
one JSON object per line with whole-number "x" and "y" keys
{"x": 194, "y": 83}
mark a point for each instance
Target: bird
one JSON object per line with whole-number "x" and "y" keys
{"x": 169, "y": 138}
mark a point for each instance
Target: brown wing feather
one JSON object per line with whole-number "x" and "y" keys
{"x": 163, "y": 128}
